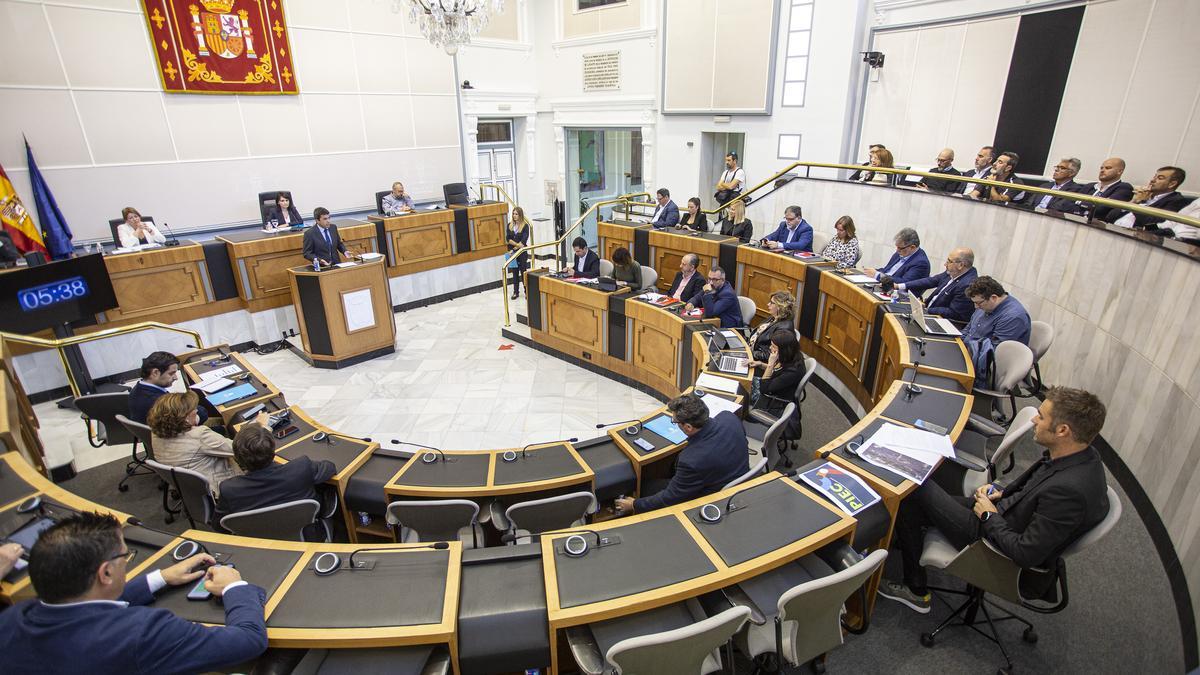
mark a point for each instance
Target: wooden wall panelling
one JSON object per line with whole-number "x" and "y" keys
{"x": 654, "y": 349}
{"x": 158, "y": 280}
{"x": 668, "y": 248}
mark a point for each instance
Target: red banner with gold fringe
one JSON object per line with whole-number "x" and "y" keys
{"x": 221, "y": 46}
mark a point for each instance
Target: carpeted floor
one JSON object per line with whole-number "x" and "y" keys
{"x": 1121, "y": 617}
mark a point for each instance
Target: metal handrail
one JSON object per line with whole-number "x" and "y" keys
{"x": 499, "y": 189}
{"x": 59, "y": 344}
{"x": 530, "y": 247}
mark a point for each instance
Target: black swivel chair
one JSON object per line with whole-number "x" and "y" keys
{"x": 379, "y": 200}
{"x": 114, "y": 223}
{"x": 266, "y": 202}
{"x": 456, "y": 193}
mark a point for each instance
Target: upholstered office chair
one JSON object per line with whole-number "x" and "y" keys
{"x": 266, "y": 202}
{"x": 649, "y": 277}
{"x": 759, "y": 467}
{"x": 137, "y": 464}
{"x": 102, "y": 410}
{"x": 1041, "y": 336}
{"x": 523, "y": 521}
{"x": 195, "y": 493}
{"x": 285, "y": 522}
{"x": 796, "y": 609}
{"x": 688, "y": 643}
{"x": 379, "y": 200}
{"x": 748, "y": 307}
{"x": 436, "y": 520}
{"x": 1001, "y": 461}
{"x": 1012, "y": 362}
{"x": 606, "y": 268}
{"x": 987, "y": 570}
{"x": 772, "y": 447}
{"x": 114, "y": 223}
{"x": 820, "y": 241}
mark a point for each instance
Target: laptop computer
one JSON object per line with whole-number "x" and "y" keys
{"x": 736, "y": 363}
{"x": 931, "y": 325}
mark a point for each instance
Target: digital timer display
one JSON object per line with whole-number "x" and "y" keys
{"x": 47, "y": 295}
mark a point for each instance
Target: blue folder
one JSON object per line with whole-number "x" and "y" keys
{"x": 664, "y": 426}
{"x": 231, "y": 394}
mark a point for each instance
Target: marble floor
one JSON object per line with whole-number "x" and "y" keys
{"x": 449, "y": 384}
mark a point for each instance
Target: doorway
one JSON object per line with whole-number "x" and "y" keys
{"x": 602, "y": 164}
{"x": 713, "y": 148}
{"x": 497, "y": 156}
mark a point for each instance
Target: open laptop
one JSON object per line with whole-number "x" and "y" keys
{"x": 931, "y": 325}
{"x": 736, "y": 363}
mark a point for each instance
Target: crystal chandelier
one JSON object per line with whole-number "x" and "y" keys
{"x": 450, "y": 24}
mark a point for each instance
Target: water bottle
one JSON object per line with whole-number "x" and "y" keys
{"x": 316, "y": 264}
{"x": 364, "y": 518}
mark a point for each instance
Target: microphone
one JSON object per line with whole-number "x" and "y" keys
{"x": 576, "y": 545}
{"x": 920, "y": 343}
{"x": 911, "y": 388}
{"x": 432, "y": 455}
{"x": 631, "y": 430}
{"x": 511, "y": 455}
{"x": 329, "y": 562}
{"x": 711, "y": 513}
{"x": 172, "y": 240}
{"x": 851, "y": 446}
{"x": 188, "y": 548}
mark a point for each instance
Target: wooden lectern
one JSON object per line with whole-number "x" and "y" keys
{"x": 345, "y": 313}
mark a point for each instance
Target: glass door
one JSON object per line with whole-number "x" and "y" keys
{"x": 602, "y": 164}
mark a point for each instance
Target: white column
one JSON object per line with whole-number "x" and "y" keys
{"x": 471, "y": 129}
{"x": 531, "y": 144}
{"x": 648, "y": 158}
{"x": 560, "y": 159}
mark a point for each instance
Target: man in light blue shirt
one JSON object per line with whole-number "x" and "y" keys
{"x": 398, "y": 201}
{"x": 998, "y": 317}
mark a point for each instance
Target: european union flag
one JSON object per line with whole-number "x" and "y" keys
{"x": 55, "y": 231}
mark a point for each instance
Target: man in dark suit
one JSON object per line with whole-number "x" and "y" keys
{"x": 159, "y": 371}
{"x": 688, "y": 281}
{"x": 322, "y": 242}
{"x": 718, "y": 300}
{"x": 666, "y": 214}
{"x": 265, "y": 482}
{"x": 983, "y": 168}
{"x": 793, "y": 234}
{"x": 1110, "y": 186}
{"x": 1003, "y": 171}
{"x": 908, "y": 263}
{"x": 1064, "y": 181}
{"x": 1032, "y": 520}
{"x": 949, "y": 298}
{"x": 587, "y": 263}
{"x": 716, "y": 453}
{"x": 1159, "y": 193}
{"x": 945, "y": 166}
{"x": 86, "y": 619}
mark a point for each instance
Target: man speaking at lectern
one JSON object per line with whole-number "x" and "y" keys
{"x": 322, "y": 242}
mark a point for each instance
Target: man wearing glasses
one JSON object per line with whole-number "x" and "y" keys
{"x": 87, "y": 619}
{"x": 948, "y": 299}
{"x": 793, "y": 234}
{"x": 718, "y": 300}
{"x": 945, "y": 166}
{"x": 998, "y": 317}
{"x": 908, "y": 263}
{"x": 1064, "y": 181}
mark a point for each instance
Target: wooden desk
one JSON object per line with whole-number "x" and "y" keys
{"x": 345, "y": 313}
{"x": 761, "y": 272}
{"x": 619, "y": 234}
{"x": 660, "y": 347}
{"x": 199, "y": 363}
{"x": 636, "y": 597}
{"x": 162, "y": 282}
{"x": 574, "y": 319}
{"x": 667, "y": 248}
{"x": 845, "y": 319}
{"x": 485, "y": 473}
{"x": 261, "y": 260}
{"x": 426, "y": 240}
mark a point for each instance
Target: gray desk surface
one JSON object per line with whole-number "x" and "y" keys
{"x": 12, "y": 486}
{"x": 940, "y": 355}
{"x": 770, "y": 516}
{"x": 654, "y": 439}
{"x": 341, "y": 454}
{"x": 652, "y": 554}
{"x": 459, "y": 470}
{"x": 537, "y": 464}
{"x": 265, "y": 568}
{"x": 404, "y": 589}
{"x": 931, "y": 405}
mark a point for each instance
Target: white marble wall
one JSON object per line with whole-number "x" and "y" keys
{"x": 1124, "y": 315}
{"x": 42, "y": 371}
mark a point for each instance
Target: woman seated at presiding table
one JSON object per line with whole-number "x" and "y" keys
{"x": 844, "y": 247}
{"x": 283, "y": 214}
{"x": 135, "y": 232}
{"x": 180, "y": 440}
{"x": 626, "y": 271}
{"x": 781, "y": 308}
{"x": 781, "y": 375}
{"x": 736, "y": 224}
{"x": 694, "y": 220}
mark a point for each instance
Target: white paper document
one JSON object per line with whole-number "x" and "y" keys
{"x": 359, "y": 311}
{"x": 346, "y": 264}
{"x": 911, "y": 455}
{"x": 707, "y": 381}
{"x": 731, "y": 335}
{"x": 371, "y": 255}
{"x": 651, "y": 296}
{"x": 212, "y": 385}
{"x": 914, "y": 439}
{"x": 716, "y": 404}
{"x": 221, "y": 372}
{"x": 860, "y": 279}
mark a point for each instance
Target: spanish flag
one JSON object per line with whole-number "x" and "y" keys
{"x": 16, "y": 220}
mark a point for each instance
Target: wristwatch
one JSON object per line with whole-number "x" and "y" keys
{"x": 986, "y": 515}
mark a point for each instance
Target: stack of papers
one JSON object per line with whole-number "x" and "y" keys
{"x": 911, "y": 453}
{"x": 715, "y": 383}
{"x": 216, "y": 380}
{"x": 371, "y": 255}
{"x": 717, "y": 405}
{"x": 859, "y": 279}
